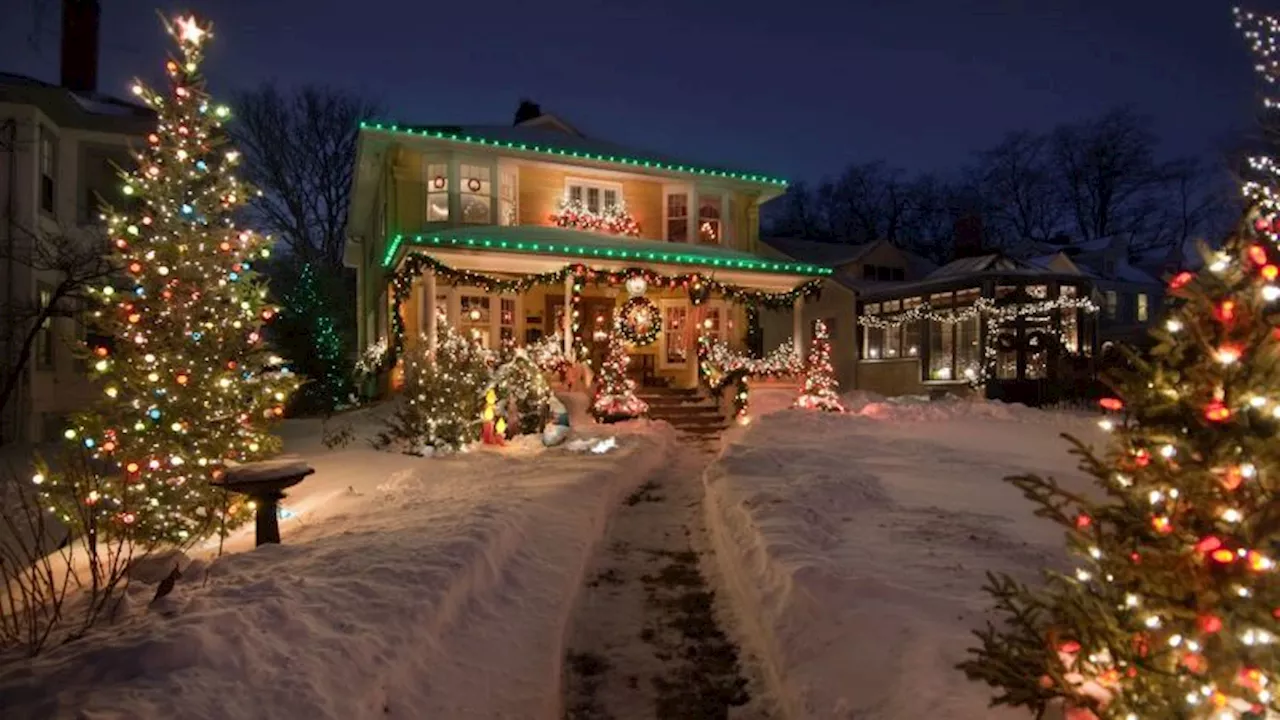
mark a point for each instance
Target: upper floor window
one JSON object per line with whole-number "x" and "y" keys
{"x": 883, "y": 273}
{"x": 437, "y": 192}
{"x": 1112, "y": 300}
{"x": 1142, "y": 307}
{"x": 594, "y": 195}
{"x": 710, "y": 226}
{"x": 477, "y": 194}
{"x": 44, "y": 337}
{"x": 48, "y": 170}
{"x": 678, "y": 217}
{"x": 508, "y": 197}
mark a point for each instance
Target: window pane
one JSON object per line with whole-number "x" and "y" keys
{"x": 969, "y": 354}
{"x": 1142, "y": 308}
{"x": 1070, "y": 330}
{"x": 575, "y": 193}
{"x": 475, "y": 179}
{"x": 593, "y": 199}
{"x": 868, "y": 272}
{"x": 875, "y": 342}
{"x": 893, "y": 342}
{"x": 475, "y": 319}
{"x": 475, "y": 208}
{"x": 676, "y": 335}
{"x": 1112, "y": 303}
{"x": 941, "y": 347}
{"x": 437, "y": 192}
{"x": 911, "y": 339}
{"x": 610, "y": 198}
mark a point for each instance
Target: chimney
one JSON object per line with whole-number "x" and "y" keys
{"x": 527, "y": 111}
{"x": 968, "y": 235}
{"x": 80, "y": 45}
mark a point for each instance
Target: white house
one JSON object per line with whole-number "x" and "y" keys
{"x": 60, "y": 146}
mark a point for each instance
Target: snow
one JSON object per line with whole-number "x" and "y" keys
{"x": 406, "y": 587}
{"x": 853, "y": 547}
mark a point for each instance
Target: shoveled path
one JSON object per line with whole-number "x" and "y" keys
{"x": 645, "y": 641}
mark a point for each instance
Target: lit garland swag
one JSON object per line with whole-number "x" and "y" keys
{"x": 720, "y": 366}
{"x": 698, "y": 285}
{"x": 1171, "y": 610}
{"x": 613, "y": 219}
{"x": 188, "y": 385}
{"x": 995, "y": 314}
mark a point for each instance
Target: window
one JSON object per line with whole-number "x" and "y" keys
{"x": 475, "y": 321}
{"x": 508, "y": 203}
{"x": 48, "y": 171}
{"x": 44, "y": 338}
{"x": 709, "y": 227}
{"x": 437, "y": 192}
{"x": 883, "y": 273}
{"x": 476, "y": 194}
{"x": 507, "y": 322}
{"x": 678, "y": 217}
{"x": 714, "y": 322}
{"x": 911, "y": 330}
{"x": 1142, "y": 307}
{"x": 1112, "y": 301}
{"x": 596, "y": 195}
{"x": 901, "y": 340}
{"x": 675, "y": 333}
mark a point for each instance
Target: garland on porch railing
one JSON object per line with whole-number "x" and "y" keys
{"x": 719, "y": 366}
{"x": 697, "y": 285}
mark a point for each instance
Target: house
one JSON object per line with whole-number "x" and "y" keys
{"x": 855, "y": 269}
{"x": 514, "y": 233}
{"x": 59, "y": 147}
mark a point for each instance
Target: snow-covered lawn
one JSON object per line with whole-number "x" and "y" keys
{"x": 853, "y": 547}
{"x": 405, "y": 588}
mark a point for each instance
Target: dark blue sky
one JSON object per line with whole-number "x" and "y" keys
{"x": 795, "y": 88}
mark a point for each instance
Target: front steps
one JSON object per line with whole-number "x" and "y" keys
{"x": 687, "y": 410}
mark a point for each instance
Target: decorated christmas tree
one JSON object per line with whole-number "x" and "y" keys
{"x": 819, "y": 391}
{"x": 187, "y": 383}
{"x": 615, "y": 396}
{"x": 1170, "y": 610}
{"x": 443, "y": 398}
{"x": 521, "y": 382}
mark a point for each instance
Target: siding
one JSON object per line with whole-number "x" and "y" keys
{"x": 542, "y": 187}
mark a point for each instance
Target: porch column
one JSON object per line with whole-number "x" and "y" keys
{"x": 797, "y": 322}
{"x": 567, "y": 320}
{"x": 429, "y": 302}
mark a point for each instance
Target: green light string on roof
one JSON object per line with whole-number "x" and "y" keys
{"x": 696, "y": 284}
{"x": 581, "y": 154}
{"x": 585, "y": 251}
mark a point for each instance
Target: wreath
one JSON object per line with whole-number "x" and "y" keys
{"x": 639, "y": 321}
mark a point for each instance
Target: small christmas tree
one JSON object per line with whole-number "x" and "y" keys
{"x": 443, "y": 397}
{"x": 520, "y": 380}
{"x": 615, "y": 397}
{"x": 1171, "y": 609}
{"x": 819, "y": 391}
{"x": 188, "y": 384}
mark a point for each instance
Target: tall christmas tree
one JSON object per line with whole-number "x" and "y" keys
{"x": 1171, "y": 610}
{"x": 819, "y": 391}
{"x": 187, "y": 384}
{"x": 615, "y": 397}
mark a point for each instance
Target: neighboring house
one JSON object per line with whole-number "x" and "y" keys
{"x": 855, "y": 269}
{"x": 537, "y": 201}
{"x": 59, "y": 146}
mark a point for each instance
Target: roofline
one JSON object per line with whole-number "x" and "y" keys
{"x": 469, "y": 242}
{"x": 971, "y": 280}
{"x": 561, "y": 152}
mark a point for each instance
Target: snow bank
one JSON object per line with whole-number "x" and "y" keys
{"x": 406, "y": 588}
{"x": 853, "y": 548}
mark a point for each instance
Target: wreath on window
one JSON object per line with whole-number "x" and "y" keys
{"x": 639, "y": 321}
{"x": 473, "y": 184}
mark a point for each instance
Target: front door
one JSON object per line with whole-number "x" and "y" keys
{"x": 597, "y": 323}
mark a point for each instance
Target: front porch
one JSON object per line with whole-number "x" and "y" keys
{"x": 516, "y": 287}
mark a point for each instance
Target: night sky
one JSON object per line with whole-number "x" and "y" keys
{"x": 796, "y": 88}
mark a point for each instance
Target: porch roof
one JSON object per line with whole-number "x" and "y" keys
{"x": 578, "y": 246}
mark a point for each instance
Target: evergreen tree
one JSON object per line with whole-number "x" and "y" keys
{"x": 443, "y": 399}
{"x": 313, "y": 331}
{"x": 521, "y": 381}
{"x": 615, "y": 397}
{"x": 1171, "y": 609}
{"x": 188, "y": 385}
{"x": 819, "y": 391}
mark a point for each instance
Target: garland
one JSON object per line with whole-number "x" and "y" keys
{"x": 613, "y": 219}
{"x": 639, "y": 321}
{"x": 697, "y": 285}
{"x": 721, "y": 366}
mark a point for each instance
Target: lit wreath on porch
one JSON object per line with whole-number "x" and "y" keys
{"x": 639, "y": 321}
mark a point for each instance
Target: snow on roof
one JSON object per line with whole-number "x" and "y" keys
{"x": 587, "y": 245}
{"x": 992, "y": 262}
{"x": 556, "y": 142}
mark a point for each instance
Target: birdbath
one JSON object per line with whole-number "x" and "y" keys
{"x": 265, "y": 483}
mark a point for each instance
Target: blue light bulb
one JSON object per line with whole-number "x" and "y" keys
{"x": 155, "y": 413}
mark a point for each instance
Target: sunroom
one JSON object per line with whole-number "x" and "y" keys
{"x": 1014, "y": 330}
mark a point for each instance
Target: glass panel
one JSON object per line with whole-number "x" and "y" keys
{"x": 676, "y": 334}
{"x": 892, "y": 306}
{"x": 911, "y": 339}
{"x": 968, "y": 352}
{"x": 1067, "y": 291}
{"x": 593, "y": 199}
{"x": 709, "y": 219}
{"x": 477, "y": 194}
{"x": 940, "y": 301}
{"x": 1112, "y": 303}
{"x": 678, "y": 217}
{"x": 875, "y": 342}
{"x": 437, "y": 192}
{"x": 1142, "y": 308}
{"x": 508, "y": 212}
{"x": 610, "y": 198}
{"x": 893, "y": 342}
{"x": 1038, "y": 334}
{"x": 941, "y": 349}
{"x": 966, "y": 298}
{"x": 1039, "y": 292}
{"x": 575, "y": 193}
{"x": 1070, "y": 330}
{"x": 713, "y": 323}
{"x": 475, "y": 320}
